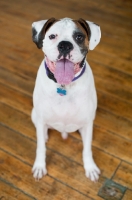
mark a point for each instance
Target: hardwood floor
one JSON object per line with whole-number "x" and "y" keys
{"x": 111, "y": 63}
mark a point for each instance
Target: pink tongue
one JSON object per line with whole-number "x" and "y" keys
{"x": 64, "y": 72}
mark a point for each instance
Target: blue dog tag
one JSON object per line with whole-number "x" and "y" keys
{"x": 61, "y": 91}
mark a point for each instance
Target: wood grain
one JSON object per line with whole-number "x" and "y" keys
{"x": 7, "y": 191}
{"x": 128, "y": 195}
{"x": 114, "y": 124}
{"x": 71, "y": 148}
{"x": 124, "y": 175}
{"x": 113, "y": 145}
{"x": 110, "y": 62}
{"x": 46, "y": 189}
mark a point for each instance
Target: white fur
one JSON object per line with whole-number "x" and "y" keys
{"x": 75, "y": 111}
{"x": 95, "y": 35}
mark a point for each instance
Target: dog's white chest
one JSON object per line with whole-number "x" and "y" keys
{"x": 65, "y": 113}
{"x": 68, "y": 114}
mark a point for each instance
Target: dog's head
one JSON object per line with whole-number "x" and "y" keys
{"x": 65, "y": 41}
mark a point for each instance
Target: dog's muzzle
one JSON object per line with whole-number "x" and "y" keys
{"x": 64, "y": 48}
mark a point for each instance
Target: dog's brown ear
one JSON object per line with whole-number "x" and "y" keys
{"x": 39, "y": 30}
{"x": 85, "y": 26}
{"x": 48, "y": 24}
{"x": 93, "y": 31}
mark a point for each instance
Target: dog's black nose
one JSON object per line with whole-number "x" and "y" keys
{"x": 65, "y": 47}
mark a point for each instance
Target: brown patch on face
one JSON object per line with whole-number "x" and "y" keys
{"x": 83, "y": 31}
{"x": 38, "y": 40}
{"x": 80, "y": 28}
{"x": 48, "y": 24}
{"x": 85, "y": 26}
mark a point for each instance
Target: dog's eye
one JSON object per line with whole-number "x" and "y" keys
{"x": 79, "y": 38}
{"x": 51, "y": 37}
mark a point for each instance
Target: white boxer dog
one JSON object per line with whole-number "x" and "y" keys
{"x": 64, "y": 96}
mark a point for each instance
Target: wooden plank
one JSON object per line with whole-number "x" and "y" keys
{"x": 21, "y": 101}
{"x": 18, "y": 121}
{"x": 111, "y": 41}
{"x": 7, "y": 37}
{"x": 19, "y": 174}
{"x": 22, "y": 16}
{"x": 7, "y": 191}
{"x": 19, "y": 48}
{"x": 122, "y": 93}
{"x": 128, "y": 195}
{"x": 124, "y": 174}
{"x": 21, "y": 123}
{"x": 22, "y": 84}
{"x": 112, "y": 144}
{"x": 103, "y": 47}
{"x": 110, "y": 103}
{"x": 36, "y": 59}
{"x": 16, "y": 51}
{"x": 112, "y": 123}
{"x": 18, "y": 31}
{"x": 17, "y": 67}
{"x": 120, "y": 8}
{"x": 105, "y": 58}
{"x": 111, "y": 75}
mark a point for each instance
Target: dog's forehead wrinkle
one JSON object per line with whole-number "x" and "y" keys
{"x": 67, "y": 21}
{"x": 63, "y": 25}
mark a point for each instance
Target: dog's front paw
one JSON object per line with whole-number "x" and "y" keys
{"x": 92, "y": 172}
{"x": 39, "y": 170}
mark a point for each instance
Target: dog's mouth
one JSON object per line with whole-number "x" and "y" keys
{"x": 64, "y": 70}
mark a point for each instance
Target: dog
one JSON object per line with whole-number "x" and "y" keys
{"x": 64, "y": 96}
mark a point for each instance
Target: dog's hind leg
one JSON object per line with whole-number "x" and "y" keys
{"x": 64, "y": 135}
{"x": 91, "y": 169}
